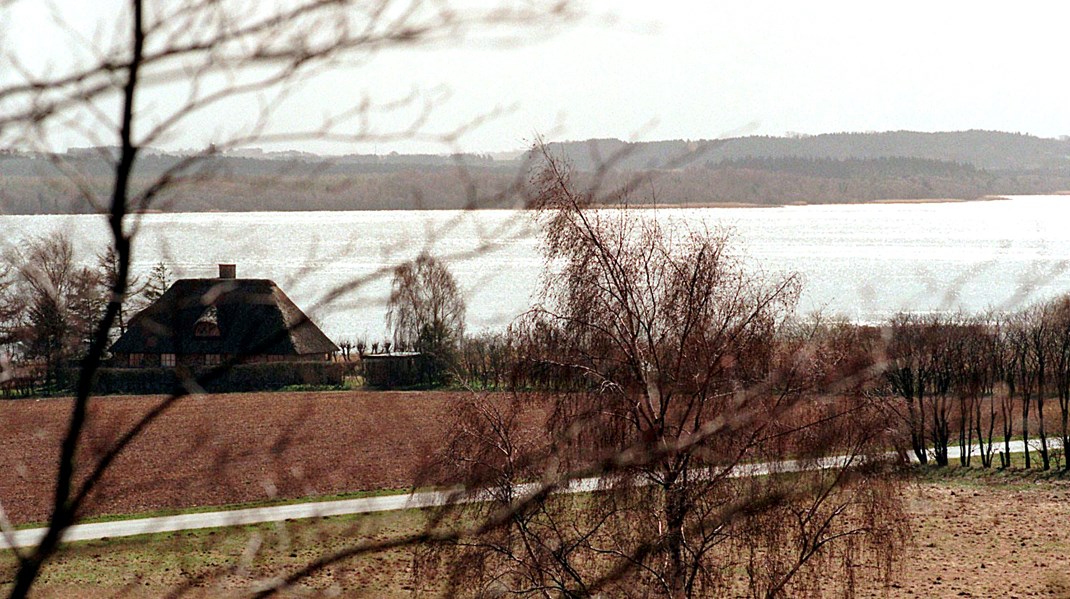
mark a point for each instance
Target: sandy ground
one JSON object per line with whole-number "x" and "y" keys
{"x": 988, "y": 540}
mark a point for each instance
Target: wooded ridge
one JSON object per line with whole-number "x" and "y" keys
{"x": 831, "y": 168}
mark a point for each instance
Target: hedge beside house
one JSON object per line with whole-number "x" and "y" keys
{"x": 396, "y": 371}
{"x": 240, "y": 377}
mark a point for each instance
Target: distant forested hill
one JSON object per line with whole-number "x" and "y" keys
{"x": 840, "y": 167}
{"x": 43, "y": 184}
{"x": 991, "y": 150}
{"x": 843, "y": 167}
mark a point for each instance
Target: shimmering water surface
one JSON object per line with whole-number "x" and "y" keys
{"x": 862, "y": 261}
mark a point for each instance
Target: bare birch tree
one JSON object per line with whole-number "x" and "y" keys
{"x": 682, "y": 413}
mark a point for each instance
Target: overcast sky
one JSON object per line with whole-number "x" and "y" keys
{"x": 699, "y": 69}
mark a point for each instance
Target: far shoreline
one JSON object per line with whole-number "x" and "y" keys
{"x": 986, "y": 198}
{"x": 642, "y": 206}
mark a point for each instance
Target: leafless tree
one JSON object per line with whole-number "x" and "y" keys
{"x": 425, "y": 298}
{"x": 943, "y": 353}
{"x": 167, "y": 64}
{"x": 135, "y": 298}
{"x": 157, "y": 282}
{"x": 1060, "y": 311}
{"x": 1000, "y": 369}
{"x": 54, "y": 303}
{"x": 426, "y": 312}
{"x": 979, "y": 382}
{"x": 908, "y": 374}
{"x": 487, "y": 360}
{"x": 1022, "y": 373}
{"x": 1040, "y": 320}
{"x": 679, "y": 380}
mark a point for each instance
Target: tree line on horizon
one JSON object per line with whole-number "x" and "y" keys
{"x": 990, "y": 150}
{"x": 977, "y": 382}
{"x": 840, "y": 168}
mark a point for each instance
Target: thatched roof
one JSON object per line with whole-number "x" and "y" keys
{"x": 254, "y": 317}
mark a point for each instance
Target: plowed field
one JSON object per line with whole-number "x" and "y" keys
{"x": 220, "y": 449}
{"x": 971, "y": 538}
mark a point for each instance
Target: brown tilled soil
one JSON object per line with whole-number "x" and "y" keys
{"x": 973, "y": 537}
{"x": 220, "y": 449}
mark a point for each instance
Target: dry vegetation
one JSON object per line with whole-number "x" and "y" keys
{"x": 989, "y": 537}
{"x": 995, "y": 535}
{"x": 230, "y": 562}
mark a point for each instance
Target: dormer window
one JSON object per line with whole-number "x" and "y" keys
{"x": 207, "y": 325}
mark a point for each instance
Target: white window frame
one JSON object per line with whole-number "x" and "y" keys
{"x": 167, "y": 360}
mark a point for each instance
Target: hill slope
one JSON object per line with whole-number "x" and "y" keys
{"x": 991, "y": 150}
{"x": 841, "y": 167}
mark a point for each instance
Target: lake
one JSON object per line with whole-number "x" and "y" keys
{"x": 864, "y": 261}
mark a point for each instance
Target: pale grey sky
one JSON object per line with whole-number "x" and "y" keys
{"x": 693, "y": 69}
{"x": 701, "y": 69}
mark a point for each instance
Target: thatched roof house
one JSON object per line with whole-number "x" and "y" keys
{"x": 208, "y": 321}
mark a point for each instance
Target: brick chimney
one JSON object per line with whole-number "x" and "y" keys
{"x": 228, "y": 271}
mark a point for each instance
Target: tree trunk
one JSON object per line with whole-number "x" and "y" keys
{"x": 917, "y": 429}
{"x": 941, "y": 434}
{"x": 1007, "y": 412}
{"x": 1045, "y": 457}
{"x": 966, "y": 432}
{"x": 1064, "y": 413}
{"x": 675, "y": 513}
{"x": 1025, "y": 429}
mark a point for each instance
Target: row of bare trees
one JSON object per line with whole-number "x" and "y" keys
{"x": 971, "y": 378}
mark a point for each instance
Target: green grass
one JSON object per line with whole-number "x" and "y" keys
{"x": 305, "y": 388}
{"x": 224, "y": 561}
{"x": 231, "y": 560}
{"x": 1017, "y": 476}
{"x": 349, "y": 383}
